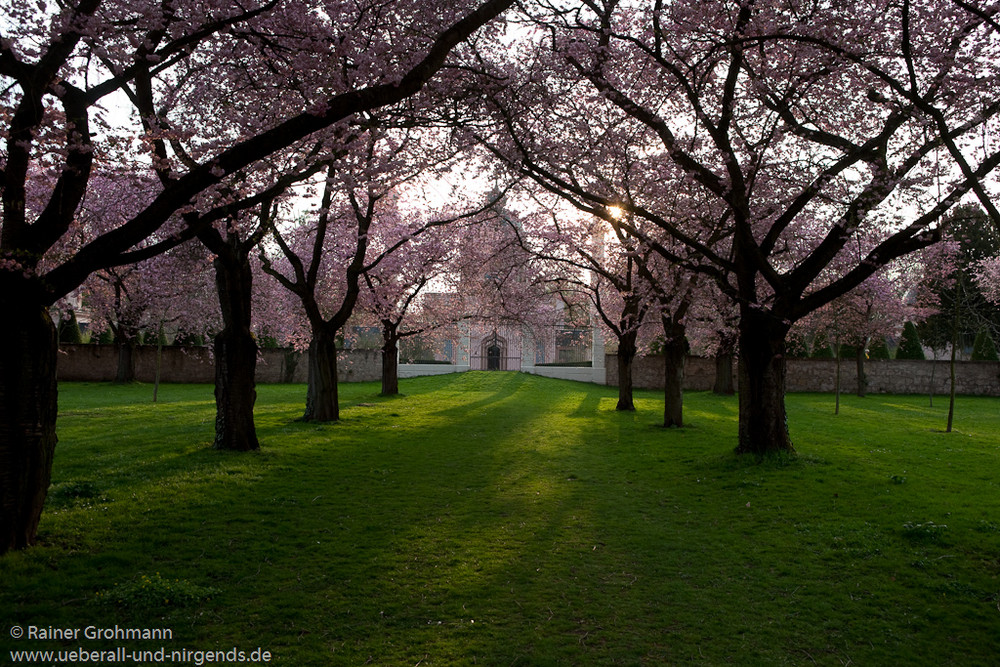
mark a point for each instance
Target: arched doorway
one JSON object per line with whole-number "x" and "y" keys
{"x": 493, "y": 357}
{"x": 494, "y": 353}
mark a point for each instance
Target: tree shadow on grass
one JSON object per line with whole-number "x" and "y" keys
{"x": 500, "y": 385}
{"x": 589, "y": 404}
{"x": 377, "y": 541}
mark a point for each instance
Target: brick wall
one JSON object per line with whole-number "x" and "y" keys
{"x": 981, "y": 378}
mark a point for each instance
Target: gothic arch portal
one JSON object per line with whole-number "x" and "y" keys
{"x": 494, "y": 352}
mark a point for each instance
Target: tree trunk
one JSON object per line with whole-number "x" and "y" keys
{"x": 673, "y": 384}
{"x": 954, "y": 348}
{"x": 862, "y": 377}
{"x": 930, "y": 389}
{"x": 763, "y": 421}
{"x": 321, "y": 397}
{"x": 951, "y": 399}
{"x": 290, "y": 362}
{"x": 724, "y": 373}
{"x": 626, "y": 355}
{"x": 235, "y": 357}
{"x": 836, "y": 380}
{"x": 28, "y": 347}
{"x": 674, "y": 352}
{"x": 390, "y": 363}
{"x": 159, "y": 363}
{"x": 125, "y": 344}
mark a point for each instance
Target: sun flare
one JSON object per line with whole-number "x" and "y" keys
{"x": 616, "y": 212}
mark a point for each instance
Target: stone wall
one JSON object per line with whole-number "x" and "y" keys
{"x": 647, "y": 373}
{"x": 980, "y": 378}
{"x": 99, "y": 363}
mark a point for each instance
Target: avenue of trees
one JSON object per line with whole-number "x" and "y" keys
{"x": 805, "y": 146}
{"x": 236, "y": 101}
{"x": 728, "y": 173}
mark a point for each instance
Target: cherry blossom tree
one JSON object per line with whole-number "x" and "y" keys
{"x": 878, "y": 308}
{"x": 601, "y": 264}
{"x": 234, "y": 346}
{"x": 60, "y": 64}
{"x": 395, "y": 290}
{"x": 359, "y": 223}
{"x": 623, "y": 301}
{"x": 168, "y": 289}
{"x": 714, "y": 322}
{"x": 501, "y": 283}
{"x": 481, "y": 279}
{"x": 660, "y": 290}
{"x": 962, "y": 303}
{"x": 172, "y": 290}
{"x": 988, "y": 278}
{"x": 674, "y": 289}
{"x": 795, "y": 129}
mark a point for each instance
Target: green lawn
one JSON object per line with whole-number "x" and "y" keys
{"x": 506, "y": 519}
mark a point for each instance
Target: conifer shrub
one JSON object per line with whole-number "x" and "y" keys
{"x": 877, "y": 349}
{"x": 909, "y": 344}
{"x": 69, "y": 329}
{"x": 848, "y": 351}
{"x": 984, "y": 348}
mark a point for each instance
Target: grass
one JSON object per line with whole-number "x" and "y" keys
{"x": 506, "y": 519}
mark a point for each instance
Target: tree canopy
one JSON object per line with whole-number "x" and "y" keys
{"x": 777, "y": 160}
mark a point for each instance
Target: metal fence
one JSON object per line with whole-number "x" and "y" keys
{"x": 492, "y": 362}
